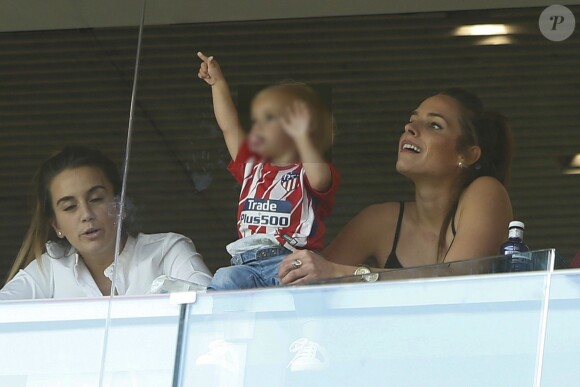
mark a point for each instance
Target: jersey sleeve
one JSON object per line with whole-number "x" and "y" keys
{"x": 325, "y": 200}
{"x": 238, "y": 166}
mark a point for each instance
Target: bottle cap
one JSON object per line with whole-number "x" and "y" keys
{"x": 517, "y": 224}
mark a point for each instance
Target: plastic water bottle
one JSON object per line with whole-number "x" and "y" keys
{"x": 514, "y": 245}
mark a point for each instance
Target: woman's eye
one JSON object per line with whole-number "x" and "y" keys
{"x": 69, "y": 208}
{"x": 435, "y": 125}
{"x": 96, "y": 200}
{"x": 270, "y": 117}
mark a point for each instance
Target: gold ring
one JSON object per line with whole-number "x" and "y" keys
{"x": 297, "y": 263}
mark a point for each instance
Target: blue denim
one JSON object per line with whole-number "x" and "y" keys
{"x": 255, "y": 268}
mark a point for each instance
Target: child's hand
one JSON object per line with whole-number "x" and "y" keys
{"x": 297, "y": 121}
{"x": 209, "y": 70}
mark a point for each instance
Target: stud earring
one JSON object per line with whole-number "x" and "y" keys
{"x": 460, "y": 164}
{"x": 60, "y": 234}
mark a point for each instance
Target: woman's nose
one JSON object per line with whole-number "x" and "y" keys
{"x": 411, "y": 129}
{"x": 87, "y": 213}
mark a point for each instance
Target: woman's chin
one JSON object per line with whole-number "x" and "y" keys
{"x": 402, "y": 167}
{"x": 406, "y": 170}
{"x": 95, "y": 247}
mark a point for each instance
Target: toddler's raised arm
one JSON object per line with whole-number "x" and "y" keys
{"x": 223, "y": 105}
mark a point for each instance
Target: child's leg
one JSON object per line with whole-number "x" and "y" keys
{"x": 255, "y": 268}
{"x": 269, "y": 268}
{"x": 246, "y": 276}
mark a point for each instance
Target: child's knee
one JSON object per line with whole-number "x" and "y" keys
{"x": 232, "y": 278}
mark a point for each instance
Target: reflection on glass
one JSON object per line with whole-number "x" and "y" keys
{"x": 424, "y": 329}
{"x": 540, "y": 260}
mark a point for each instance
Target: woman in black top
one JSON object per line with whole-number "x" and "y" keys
{"x": 458, "y": 156}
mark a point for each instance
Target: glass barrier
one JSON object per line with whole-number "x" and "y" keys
{"x": 471, "y": 329}
{"x": 539, "y": 260}
{"x": 51, "y": 343}
{"x": 561, "y": 351}
{"x": 60, "y": 342}
{"x": 476, "y": 330}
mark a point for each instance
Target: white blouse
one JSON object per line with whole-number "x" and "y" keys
{"x": 63, "y": 274}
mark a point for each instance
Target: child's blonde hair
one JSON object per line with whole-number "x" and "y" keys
{"x": 322, "y": 131}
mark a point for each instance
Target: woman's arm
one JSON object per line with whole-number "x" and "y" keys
{"x": 483, "y": 216}
{"x": 360, "y": 239}
{"x": 30, "y": 283}
{"x": 182, "y": 261}
{"x": 363, "y": 236}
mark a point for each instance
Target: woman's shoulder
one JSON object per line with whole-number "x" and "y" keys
{"x": 484, "y": 188}
{"x": 41, "y": 271}
{"x": 163, "y": 237}
{"x": 367, "y": 235}
{"x": 376, "y": 220}
{"x": 163, "y": 241}
{"x": 42, "y": 265}
{"x": 33, "y": 281}
{"x": 485, "y": 196}
{"x": 381, "y": 211}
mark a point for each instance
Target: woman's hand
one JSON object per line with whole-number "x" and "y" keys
{"x": 209, "y": 70}
{"x": 304, "y": 266}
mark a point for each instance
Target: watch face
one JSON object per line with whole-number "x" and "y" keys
{"x": 366, "y": 274}
{"x": 361, "y": 270}
{"x": 371, "y": 277}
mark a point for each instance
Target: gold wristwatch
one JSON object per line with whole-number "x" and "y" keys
{"x": 366, "y": 274}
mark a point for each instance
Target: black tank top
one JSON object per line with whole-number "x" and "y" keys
{"x": 393, "y": 261}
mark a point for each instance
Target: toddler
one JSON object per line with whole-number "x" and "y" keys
{"x": 288, "y": 187}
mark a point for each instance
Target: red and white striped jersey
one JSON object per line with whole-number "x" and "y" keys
{"x": 279, "y": 201}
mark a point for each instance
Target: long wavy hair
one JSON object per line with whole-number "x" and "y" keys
{"x": 489, "y": 131}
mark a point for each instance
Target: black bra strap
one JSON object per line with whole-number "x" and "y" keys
{"x": 399, "y": 222}
{"x": 453, "y": 224}
{"x": 454, "y": 232}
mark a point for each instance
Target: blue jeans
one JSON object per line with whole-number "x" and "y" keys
{"x": 255, "y": 268}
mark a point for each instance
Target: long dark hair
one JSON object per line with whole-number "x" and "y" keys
{"x": 40, "y": 230}
{"x": 489, "y": 131}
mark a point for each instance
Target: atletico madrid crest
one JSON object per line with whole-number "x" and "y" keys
{"x": 290, "y": 181}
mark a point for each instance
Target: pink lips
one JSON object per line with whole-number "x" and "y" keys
{"x": 91, "y": 233}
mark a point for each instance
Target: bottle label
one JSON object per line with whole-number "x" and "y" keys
{"x": 516, "y": 233}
